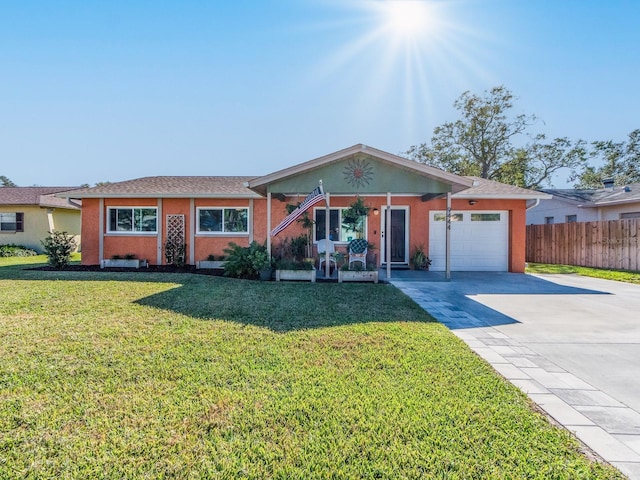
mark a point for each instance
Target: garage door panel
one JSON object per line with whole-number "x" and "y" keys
{"x": 481, "y": 244}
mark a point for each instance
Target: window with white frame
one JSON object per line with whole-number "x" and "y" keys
{"x": 548, "y": 220}
{"x": 223, "y": 220}
{"x": 571, "y": 218}
{"x": 12, "y": 222}
{"x": 132, "y": 220}
{"x": 338, "y": 231}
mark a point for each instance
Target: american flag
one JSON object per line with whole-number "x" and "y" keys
{"x": 314, "y": 197}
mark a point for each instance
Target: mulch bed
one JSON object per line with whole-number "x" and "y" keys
{"x": 218, "y": 272}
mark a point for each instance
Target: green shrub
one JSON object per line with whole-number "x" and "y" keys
{"x": 58, "y": 247}
{"x": 246, "y": 262}
{"x": 16, "y": 251}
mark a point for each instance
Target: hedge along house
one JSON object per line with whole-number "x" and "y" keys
{"x": 408, "y": 202}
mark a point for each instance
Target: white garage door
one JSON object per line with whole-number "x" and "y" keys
{"x": 479, "y": 241}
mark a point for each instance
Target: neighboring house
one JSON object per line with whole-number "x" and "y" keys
{"x": 28, "y": 214}
{"x": 487, "y": 231}
{"x": 587, "y": 205}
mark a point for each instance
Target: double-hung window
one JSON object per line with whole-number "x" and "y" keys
{"x": 133, "y": 220}
{"x": 212, "y": 220}
{"x": 339, "y": 231}
{"x": 12, "y": 222}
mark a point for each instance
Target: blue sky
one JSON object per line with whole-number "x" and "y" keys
{"x": 108, "y": 91}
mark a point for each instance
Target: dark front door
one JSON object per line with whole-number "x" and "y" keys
{"x": 397, "y": 235}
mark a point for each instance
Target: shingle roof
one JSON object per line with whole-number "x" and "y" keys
{"x": 601, "y": 196}
{"x": 171, "y": 186}
{"x": 40, "y": 196}
{"x": 491, "y": 189}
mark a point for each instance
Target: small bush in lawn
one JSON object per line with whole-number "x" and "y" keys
{"x": 58, "y": 247}
{"x": 16, "y": 251}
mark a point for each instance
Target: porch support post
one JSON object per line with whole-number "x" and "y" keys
{"x": 448, "y": 239}
{"x": 160, "y": 223}
{"x": 269, "y": 223}
{"x": 387, "y": 236}
{"x": 327, "y": 226}
{"x": 101, "y": 231}
{"x": 192, "y": 231}
{"x": 250, "y": 220}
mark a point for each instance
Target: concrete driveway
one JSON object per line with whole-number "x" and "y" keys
{"x": 571, "y": 343}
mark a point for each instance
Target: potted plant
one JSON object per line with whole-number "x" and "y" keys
{"x": 354, "y": 216}
{"x": 419, "y": 259}
{"x": 261, "y": 263}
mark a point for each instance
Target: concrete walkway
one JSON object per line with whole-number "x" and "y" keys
{"x": 571, "y": 343}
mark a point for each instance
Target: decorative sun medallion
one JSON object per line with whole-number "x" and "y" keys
{"x": 358, "y": 172}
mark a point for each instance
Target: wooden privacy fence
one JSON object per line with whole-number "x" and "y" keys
{"x": 606, "y": 244}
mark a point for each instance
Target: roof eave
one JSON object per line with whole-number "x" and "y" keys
{"x": 507, "y": 196}
{"x": 166, "y": 195}
{"x": 613, "y": 203}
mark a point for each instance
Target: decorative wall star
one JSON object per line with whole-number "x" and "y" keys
{"x": 358, "y": 172}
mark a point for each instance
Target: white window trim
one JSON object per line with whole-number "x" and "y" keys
{"x": 340, "y": 209}
{"x": 121, "y": 233}
{"x": 200, "y": 233}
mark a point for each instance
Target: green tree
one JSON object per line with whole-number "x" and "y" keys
{"x": 5, "y": 182}
{"x": 618, "y": 160}
{"x": 481, "y": 143}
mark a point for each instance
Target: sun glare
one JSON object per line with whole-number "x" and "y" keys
{"x": 406, "y": 18}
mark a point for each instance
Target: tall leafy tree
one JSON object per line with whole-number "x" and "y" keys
{"x": 617, "y": 160}
{"x": 482, "y": 142}
{"x": 5, "y": 182}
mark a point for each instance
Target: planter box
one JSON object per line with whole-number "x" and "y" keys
{"x": 357, "y": 276}
{"x": 211, "y": 264}
{"x": 301, "y": 275}
{"x": 123, "y": 263}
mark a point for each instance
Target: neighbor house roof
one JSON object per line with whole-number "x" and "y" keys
{"x": 483, "y": 188}
{"x": 170, "y": 186}
{"x": 36, "y": 196}
{"x": 592, "y": 198}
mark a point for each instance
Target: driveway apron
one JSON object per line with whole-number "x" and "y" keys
{"x": 571, "y": 343}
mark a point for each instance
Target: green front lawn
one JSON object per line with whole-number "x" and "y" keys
{"x": 628, "y": 276}
{"x": 141, "y": 375}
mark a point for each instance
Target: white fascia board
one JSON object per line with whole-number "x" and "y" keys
{"x": 496, "y": 196}
{"x": 167, "y": 195}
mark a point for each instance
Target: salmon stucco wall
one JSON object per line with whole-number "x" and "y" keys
{"x": 90, "y": 231}
{"x": 143, "y": 246}
{"x": 146, "y": 246}
{"x": 214, "y": 244}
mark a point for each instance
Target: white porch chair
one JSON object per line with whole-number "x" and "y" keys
{"x": 358, "y": 252}
{"x": 324, "y": 246}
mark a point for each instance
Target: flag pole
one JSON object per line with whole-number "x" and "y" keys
{"x": 327, "y": 226}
